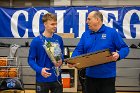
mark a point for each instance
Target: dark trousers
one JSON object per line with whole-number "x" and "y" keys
{"x": 100, "y": 85}
{"x": 53, "y": 87}
{"x": 82, "y": 77}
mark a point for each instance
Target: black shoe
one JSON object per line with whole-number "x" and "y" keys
{"x": 139, "y": 45}
{"x": 133, "y": 46}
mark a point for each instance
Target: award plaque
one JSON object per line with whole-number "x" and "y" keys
{"x": 90, "y": 59}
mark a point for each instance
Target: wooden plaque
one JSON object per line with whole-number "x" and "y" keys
{"x": 90, "y": 59}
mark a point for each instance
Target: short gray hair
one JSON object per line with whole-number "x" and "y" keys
{"x": 99, "y": 15}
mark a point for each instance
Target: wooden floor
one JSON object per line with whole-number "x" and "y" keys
{"x": 32, "y": 91}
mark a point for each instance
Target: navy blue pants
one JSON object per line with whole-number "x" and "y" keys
{"x": 54, "y": 87}
{"x": 100, "y": 85}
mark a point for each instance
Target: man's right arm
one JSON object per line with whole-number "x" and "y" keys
{"x": 32, "y": 57}
{"x": 79, "y": 50}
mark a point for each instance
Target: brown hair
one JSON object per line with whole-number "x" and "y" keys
{"x": 49, "y": 16}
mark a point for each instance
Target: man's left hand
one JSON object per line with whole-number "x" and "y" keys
{"x": 58, "y": 63}
{"x": 115, "y": 56}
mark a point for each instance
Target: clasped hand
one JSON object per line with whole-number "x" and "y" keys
{"x": 58, "y": 63}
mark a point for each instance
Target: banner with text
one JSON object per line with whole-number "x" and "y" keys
{"x": 27, "y": 22}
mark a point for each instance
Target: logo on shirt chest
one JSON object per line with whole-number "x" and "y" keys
{"x": 103, "y": 36}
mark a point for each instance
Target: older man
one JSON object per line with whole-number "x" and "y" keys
{"x": 101, "y": 78}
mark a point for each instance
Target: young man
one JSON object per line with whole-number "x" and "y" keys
{"x": 47, "y": 78}
{"x": 101, "y": 78}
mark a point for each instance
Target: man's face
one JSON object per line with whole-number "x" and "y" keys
{"x": 92, "y": 22}
{"x": 50, "y": 26}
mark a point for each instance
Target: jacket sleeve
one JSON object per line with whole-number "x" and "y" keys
{"x": 33, "y": 56}
{"x": 121, "y": 46}
{"x": 62, "y": 48}
{"x": 79, "y": 48}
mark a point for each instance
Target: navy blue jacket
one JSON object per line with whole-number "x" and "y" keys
{"x": 39, "y": 59}
{"x": 104, "y": 38}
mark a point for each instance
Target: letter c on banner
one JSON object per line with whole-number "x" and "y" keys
{"x": 35, "y": 23}
{"x": 14, "y": 24}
